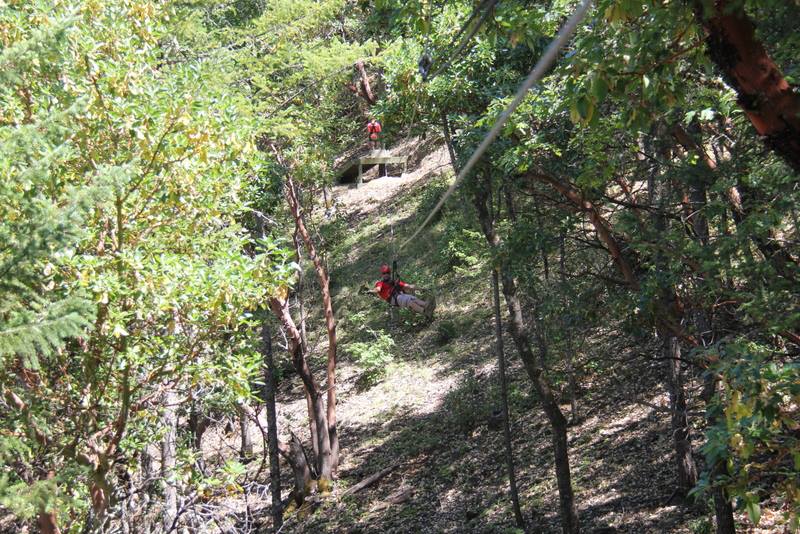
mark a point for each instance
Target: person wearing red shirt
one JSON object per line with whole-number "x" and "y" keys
{"x": 399, "y": 293}
{"x": 374, "y": 130}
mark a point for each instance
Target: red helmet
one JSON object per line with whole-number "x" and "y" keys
{"x": 385, "y": 269}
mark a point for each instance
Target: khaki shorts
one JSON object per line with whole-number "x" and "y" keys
{"x": 404, "y": 300}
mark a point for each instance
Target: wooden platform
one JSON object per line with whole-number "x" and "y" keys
{"x": 353, "y": 170}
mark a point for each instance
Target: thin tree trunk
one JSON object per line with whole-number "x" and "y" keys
{"x": 449, "y": 142}
{"x": 767, "y": 99}
{"x": 330, "y": 321}
{"x": 48, "y": 524}
{"x": 573, "y": 389}
{"x": 738, "y": 197}
{"x": 684, "y": 459}
{"x": 296, "y": 457}
{"x": 600, "y": 224}
{"x": 312, "y": 425}
{"x": 317, "y": 414}
{"x": 47, "y": 520}
{"x": 198, "y": 424}
{"x": 148, "y": 471}
{"x": 501, "y": 364}
{"x": 723, "y": 509}
{"x": 169, "y": 458}
{"x": 362, "y": 72}
{"x": 272, "y": 424}
{"x": 246, "y": 449}
{"x": 558, "y": 424}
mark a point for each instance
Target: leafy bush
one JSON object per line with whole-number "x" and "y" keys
{"x": 373, "y": 356}
{"x": 753, "y": 430}
{"x": 430, "y": 197}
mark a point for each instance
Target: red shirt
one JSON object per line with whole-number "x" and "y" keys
{"x": 385, "y": 288}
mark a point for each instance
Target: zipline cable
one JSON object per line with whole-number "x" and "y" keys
{"x": 538, "y": 71}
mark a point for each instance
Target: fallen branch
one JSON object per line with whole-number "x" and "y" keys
{"x": 369, "y": 480}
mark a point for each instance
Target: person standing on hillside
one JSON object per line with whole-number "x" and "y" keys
{"x": 374, "y": 131}
{"x": 399, "y": 293}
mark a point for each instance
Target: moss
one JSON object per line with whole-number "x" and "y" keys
{"x": 325, "y": 486}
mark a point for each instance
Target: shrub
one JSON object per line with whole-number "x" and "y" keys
{"x": 373, "y": 356}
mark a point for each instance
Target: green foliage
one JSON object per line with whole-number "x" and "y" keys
{"x": 137, "y": 140}
{"x": 754, "y": 428}
{"x": 372, "y": 356}
{"x": 701, "y": 526}
{"x": 603, "y": 124}
{"x": 124, "y": 269}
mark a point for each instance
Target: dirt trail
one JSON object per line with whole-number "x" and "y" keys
{"x": 376, "y": 191}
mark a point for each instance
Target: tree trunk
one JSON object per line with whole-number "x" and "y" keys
{"x": 330, "y": 321}
{"x": 48, "y": 523}
{"x": 767, "y": 99}
{"x": 449, "y": 142}
{"x": 272, "y": 425}
{"x": 47, "y": 520}
{"x": 723, "y": 510}
{"x": 296, "y": 457}
{"x": 599, "y": 223}
{"x": 246, "y": 449}
{"x": 558, "y": 424}
{"x": 312, "y": 425}
{"x": 317, "y": 413}
{"x": 567, "y": 324}
{"x": 684, "y": 459}
{"x": 501, "y": 365}
{"x": 169, "y": 458}
{"x": 148, "y": 471}
{"x": 362, "y": 72}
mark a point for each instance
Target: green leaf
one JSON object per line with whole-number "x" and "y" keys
{"x": 599, "y": 89}
{"x": 753, "y": 511}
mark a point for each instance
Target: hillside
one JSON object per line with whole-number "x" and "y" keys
{"x": 193, "y": 334}
{"x": 427, "y": 416}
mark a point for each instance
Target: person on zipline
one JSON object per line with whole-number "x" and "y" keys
{"x": 398, "y": 293}
{"x": 374, "y": 130}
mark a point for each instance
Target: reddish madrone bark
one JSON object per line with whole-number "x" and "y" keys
{"x": 365, "y": 82}
{"x": 363, "y": 88}
{"x": 281, "y": 310}
{"x": 601, "y": 226}
{"x": 763, "y": 93}
{"x": 330, "y": 321}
